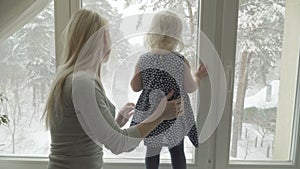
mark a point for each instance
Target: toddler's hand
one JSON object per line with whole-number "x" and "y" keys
{"x": 201, "y": 72}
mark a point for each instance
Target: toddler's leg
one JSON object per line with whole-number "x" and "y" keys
{"x": 152, "y": 157}
{"x": 178, "y": 157}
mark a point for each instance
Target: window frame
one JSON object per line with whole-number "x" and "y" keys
{"x": 228, "y": 54}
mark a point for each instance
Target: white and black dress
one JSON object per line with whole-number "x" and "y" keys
{"x": 160, "y": 74}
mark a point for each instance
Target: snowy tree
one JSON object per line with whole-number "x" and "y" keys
{"x": 104, "y": 8}
{"x": 264, "y": 119}
{"x": 120, "y": 51}
{"x": 13, "y": 65}
{"x": 187, "y": 10}
{"x": 3, "y": 117}
{"x": 37, "y": 45}
{"x": 27, "y": 58}
{"x": 259, "y": 43}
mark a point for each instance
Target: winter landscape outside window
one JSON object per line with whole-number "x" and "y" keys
{"x": 27, "y": 63}
{"x": 265, "y": 82}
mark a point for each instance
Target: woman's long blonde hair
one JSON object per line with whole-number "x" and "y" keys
{"x": 165, "y": 31}
{"x": 82, "y": 25}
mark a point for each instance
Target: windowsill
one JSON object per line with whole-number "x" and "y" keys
{"x": 24, "y": 158}
{"x": 139, "y": 160}
{"x": 260, "y": 163}
{"x": 28, "y": 158}
{"x": 26, "y": 162}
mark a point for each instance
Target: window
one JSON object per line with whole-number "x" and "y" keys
{"x": 263, "y": 118}
{"x": 27, "y": 67}
{"x": 130, "y": 20}
{"x": 263, "y": 114}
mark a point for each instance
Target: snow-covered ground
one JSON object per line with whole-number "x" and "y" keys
{"x": 248, "y": 149}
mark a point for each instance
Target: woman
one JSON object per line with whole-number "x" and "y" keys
{"x": 78, "y": 113}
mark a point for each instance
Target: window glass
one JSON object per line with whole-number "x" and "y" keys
{"x": 27, "y": 66}
{"x": 266, "y": 71}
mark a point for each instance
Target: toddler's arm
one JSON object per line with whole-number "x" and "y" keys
{"x": 136, "y": 81}
{"x": 190, "y": 85}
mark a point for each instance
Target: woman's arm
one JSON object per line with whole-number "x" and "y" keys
{"x": 149, "y": 124}
{"x": 97, "y": 121}
{"x": 127, "y": 111}
{"x": 136, "y": 82}
{"x": 166, "y": 110}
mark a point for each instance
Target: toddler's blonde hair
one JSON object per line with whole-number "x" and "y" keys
{"x": 165, "y": 31}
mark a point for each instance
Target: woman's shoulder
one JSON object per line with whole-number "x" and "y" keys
{"x": 85, "y": 80}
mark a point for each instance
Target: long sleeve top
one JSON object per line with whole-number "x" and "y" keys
{"x": 84, "y": 124}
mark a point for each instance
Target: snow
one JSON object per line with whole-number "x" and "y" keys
{"x": 246, "y": 146}
{"x": 259, "y": 99}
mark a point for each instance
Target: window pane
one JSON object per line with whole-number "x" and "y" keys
{"x": 118, "y": 72}
{"x": 266, "y": 71}
{"x": 27, "y": 66}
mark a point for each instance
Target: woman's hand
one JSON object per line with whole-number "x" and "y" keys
{"x": 166, "y": 110}
{"x": 174, "y": 107}
{"x": 125, "y": 113}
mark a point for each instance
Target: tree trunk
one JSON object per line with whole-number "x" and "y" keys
{"x": 239, "y": 103}
{"x": 14, "y": 118}
{"x": 34, "y": 98}
{"x": 13, "y": 139}
{"x": 43, "y": 90}
{"x": 262, "y": 140}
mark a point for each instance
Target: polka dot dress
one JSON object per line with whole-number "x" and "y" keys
{"x": 161, "y": 73}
